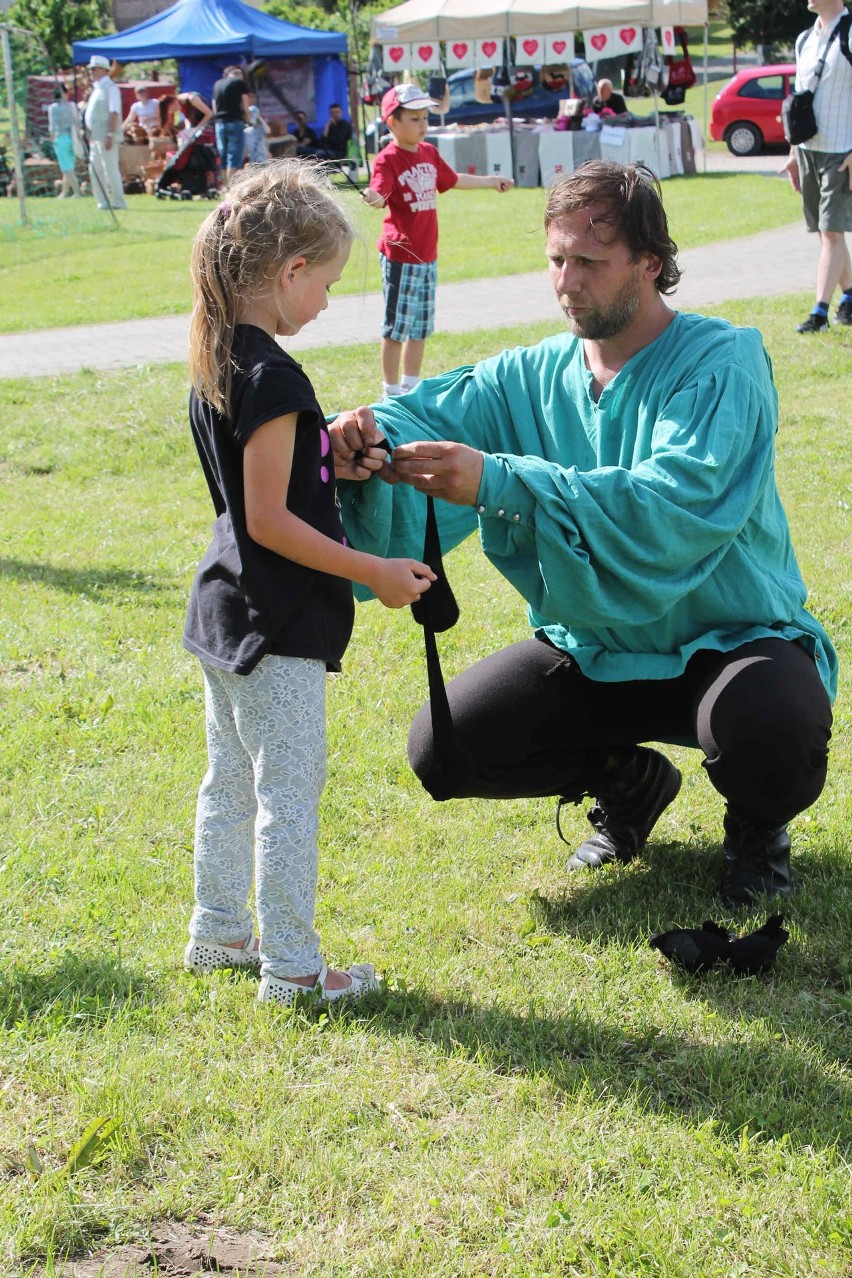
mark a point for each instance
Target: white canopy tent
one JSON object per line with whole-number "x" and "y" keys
{"x": 460, "y": 19}
{"x": 446, "y": 20}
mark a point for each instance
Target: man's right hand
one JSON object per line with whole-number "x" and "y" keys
{"x": 791, "y": 168}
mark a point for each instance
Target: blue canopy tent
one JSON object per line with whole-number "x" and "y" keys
{"x": 207, "y": 35}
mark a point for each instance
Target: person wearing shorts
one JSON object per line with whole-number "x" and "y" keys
{"x": 408, "y": 176}
{"x": 821, "y": 168}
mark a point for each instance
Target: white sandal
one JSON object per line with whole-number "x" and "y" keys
{"x": 202, "y": 957}
{"x": 276, "y": 989}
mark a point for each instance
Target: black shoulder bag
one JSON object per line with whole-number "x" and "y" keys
{"x": 797, "y": 111}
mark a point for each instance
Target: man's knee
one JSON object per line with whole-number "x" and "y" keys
{"x": 773, "y": 766}
{"x": 437, "y": 779}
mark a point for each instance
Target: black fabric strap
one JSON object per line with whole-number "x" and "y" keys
{"x": 436, "y": 610}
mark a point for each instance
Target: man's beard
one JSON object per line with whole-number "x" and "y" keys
{"x": 598, "y": 323}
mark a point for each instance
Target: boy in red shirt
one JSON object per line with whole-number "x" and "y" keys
{"x": 407, "y": 177}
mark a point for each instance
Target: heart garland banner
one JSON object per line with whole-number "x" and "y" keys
{"x": 599, "y": 43}
{"x": 612, "y": 42}
{"x": 529, "y": 51}
{"x": 426, "y": 56}
{"x": 628, "y": 39}
{"x": 667, "y": 40}
{"x": 396, "y": 57}
{"x": 489, "y": 51}
{"x": 458, "y": 54}
{"x": 558, "y": 48}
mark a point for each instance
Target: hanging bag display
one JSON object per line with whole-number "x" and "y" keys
{"x": 798, "y": 118}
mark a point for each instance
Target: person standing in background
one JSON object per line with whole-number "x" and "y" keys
{"x": 230, "y": 108}
{"x": 256, "y": 132}
{"x": 63, "y": 122}
{"x": 821, "y": 168}
{"x": 103, "y": 125}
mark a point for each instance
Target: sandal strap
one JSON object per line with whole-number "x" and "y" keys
{"x": 320, "y": 985}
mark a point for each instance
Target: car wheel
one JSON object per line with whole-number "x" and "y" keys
{"x": 743, "y": 138}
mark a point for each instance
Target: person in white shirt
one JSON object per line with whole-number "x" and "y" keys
{"x": 103, "y": 117}
{"x": 144, "y": 115}
{"x": 821, "y": 168}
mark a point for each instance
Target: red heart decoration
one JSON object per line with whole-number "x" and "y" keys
{"x": 669, "y": 37}
{"x": 530, "y": 47}
{"x": 628, "y": 34}
{"x": 599, "y": 41}
{"x": 489, "y": 47}
{"x": 559, "y": 46}
{"x": 459, "y": 50}
{"x": 396, "y": 53}
{"x": 424, "y": 53}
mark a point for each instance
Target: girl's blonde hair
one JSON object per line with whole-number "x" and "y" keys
{"x": 269, "y": 215}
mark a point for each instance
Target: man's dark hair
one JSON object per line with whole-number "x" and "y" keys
{"x": 625, "y": 197}
{"x": 335, "y": 106}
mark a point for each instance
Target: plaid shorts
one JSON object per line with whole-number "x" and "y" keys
{"x": 409, "y": 289}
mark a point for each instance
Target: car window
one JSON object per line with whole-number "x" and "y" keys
{"x": 461, "y": 92}
{"x": 764, "y": 86}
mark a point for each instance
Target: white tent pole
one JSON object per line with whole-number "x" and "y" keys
{"x": 13, "y": 124}
{"x": 706, "y": 92}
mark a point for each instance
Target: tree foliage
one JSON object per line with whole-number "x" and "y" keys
{"x": 60, "y": 23}
{"x": 351, "y": 16}
{"x": 771, "y": 22}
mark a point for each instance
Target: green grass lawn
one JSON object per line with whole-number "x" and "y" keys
{"x": 73, "y": 268}
{"x": 538, "y": 1094}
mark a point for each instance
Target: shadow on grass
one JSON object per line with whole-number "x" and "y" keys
{"x": 677, "y": 885}
{"x": 82, "y": 991}
{"x": 776, "y": 1054}
{"x": 83, "y": 581}
{"x": 776, "y": 1086}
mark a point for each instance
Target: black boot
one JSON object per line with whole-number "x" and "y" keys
{"x": 757, "y": 860}
{"x": 632, "y": 792}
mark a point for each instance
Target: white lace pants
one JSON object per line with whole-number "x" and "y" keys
{"x": 258, "y": 810}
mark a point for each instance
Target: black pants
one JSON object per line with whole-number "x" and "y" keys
{"x": 530, "y": 723}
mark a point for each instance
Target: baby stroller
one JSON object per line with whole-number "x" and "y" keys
{"x": 192, "y": 171}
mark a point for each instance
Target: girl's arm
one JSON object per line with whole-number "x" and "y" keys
{"x": 467, "y": 181}
{"x": 267, "y": 463}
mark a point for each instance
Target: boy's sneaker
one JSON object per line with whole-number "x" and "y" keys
{"x": 206, "y": 956}
{"x": 815, "y": 323}
{"x": 843, "y": 314}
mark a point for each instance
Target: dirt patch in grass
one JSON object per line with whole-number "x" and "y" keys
{"x": 176, "y": 1250}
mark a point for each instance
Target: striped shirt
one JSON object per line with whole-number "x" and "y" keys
{"x": 833, "y": 97}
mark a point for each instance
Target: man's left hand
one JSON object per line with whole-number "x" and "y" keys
{"x": 450, "y": 471}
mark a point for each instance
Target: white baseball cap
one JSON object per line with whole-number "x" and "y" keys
{"x": 409, "y": 96}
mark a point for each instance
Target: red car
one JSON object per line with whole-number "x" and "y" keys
{"x": 747, "y": 113}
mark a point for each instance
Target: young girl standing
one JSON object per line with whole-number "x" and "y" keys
{"x": 271, "y": 609}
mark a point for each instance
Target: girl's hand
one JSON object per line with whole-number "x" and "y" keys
{"x": 353, "y": 436}
{"x": 399, "y": 582}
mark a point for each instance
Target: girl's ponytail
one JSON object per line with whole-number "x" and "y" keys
{"x": 271, "y": 214}
{"x": 211, "y": 330}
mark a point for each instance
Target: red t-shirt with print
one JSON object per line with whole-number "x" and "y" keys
{"x": 409, "y": 182}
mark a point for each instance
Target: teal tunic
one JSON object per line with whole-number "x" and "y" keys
{"x": 640, "y": 528}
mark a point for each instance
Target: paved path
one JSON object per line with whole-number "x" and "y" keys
{"x": 774, "y": 262}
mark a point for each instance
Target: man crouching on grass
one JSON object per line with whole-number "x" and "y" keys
{"x": 622, "y": 476}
